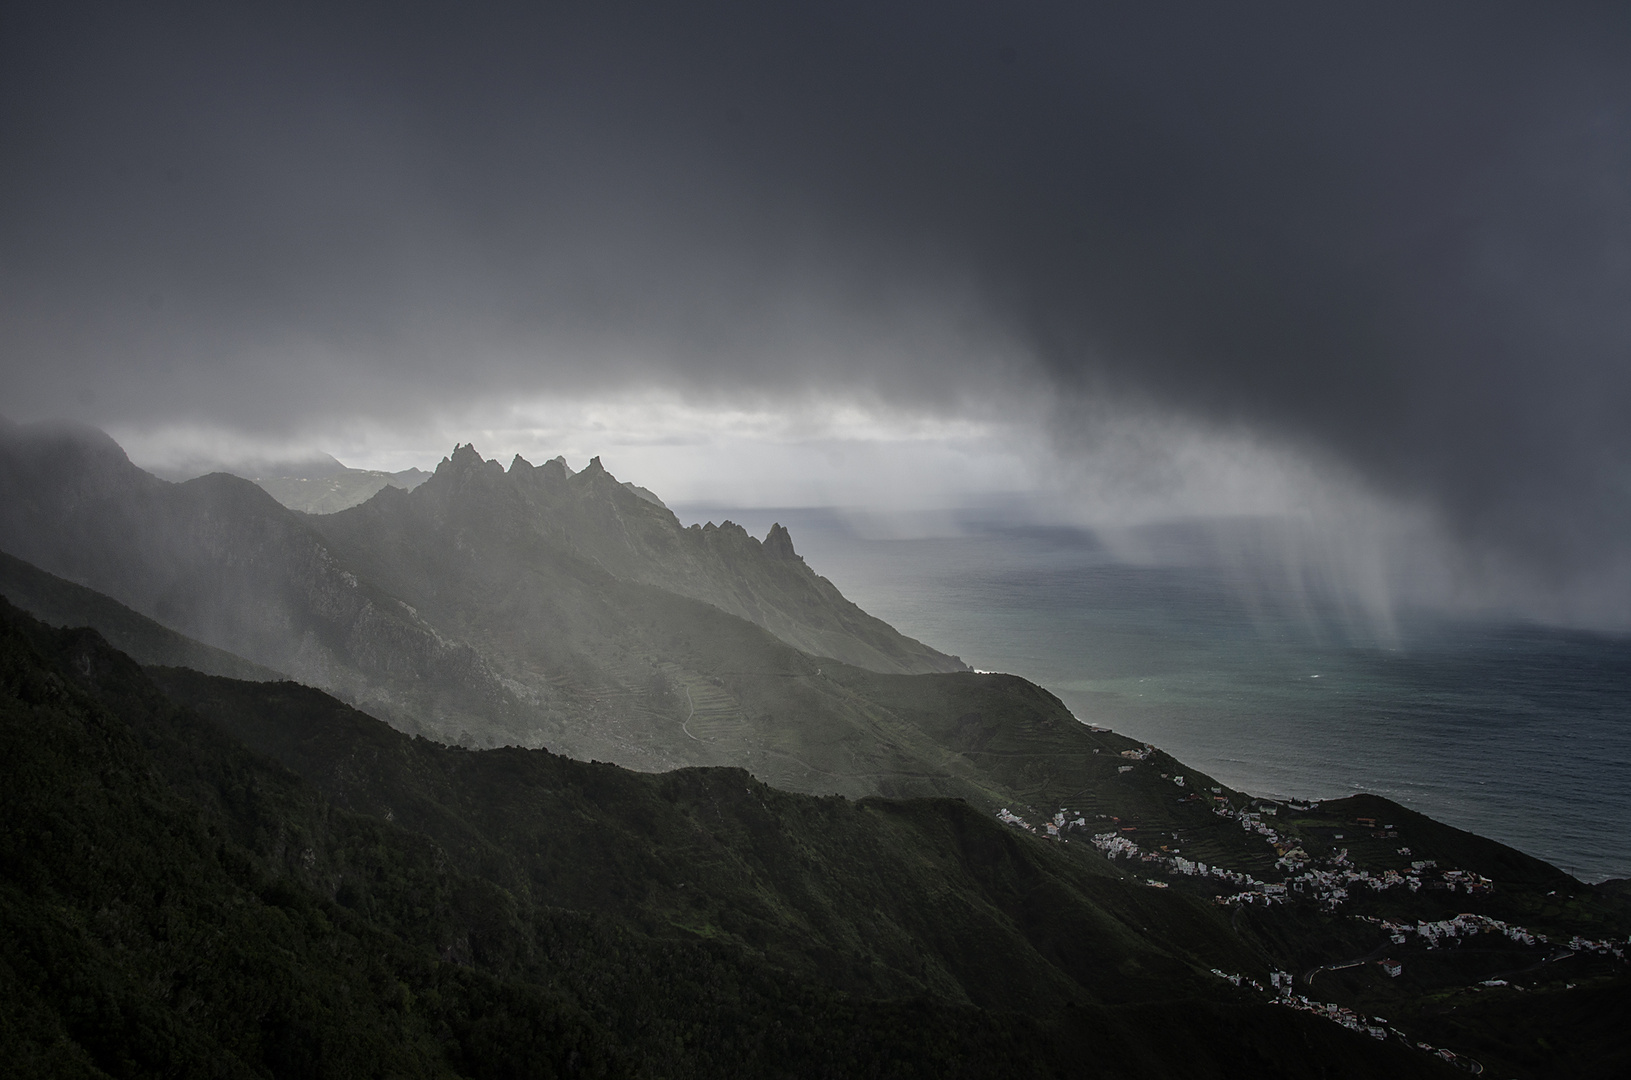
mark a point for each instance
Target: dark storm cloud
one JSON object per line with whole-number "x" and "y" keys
{"x": 1399, "y": 234}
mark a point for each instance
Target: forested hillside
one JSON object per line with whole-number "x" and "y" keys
{"x": 176, "y": 903}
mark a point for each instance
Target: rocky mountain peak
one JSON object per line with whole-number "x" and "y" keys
{"x": 464, "y": 456}
{"x": 466, "y": 461}
{"x": 778, "y": 543}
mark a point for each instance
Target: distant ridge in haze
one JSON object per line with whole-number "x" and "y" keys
{"x": 325, "y": 494}
{"x": 314, "y": 485}
{"x": 62, "y": 603}
{"x": 219, "y": 560}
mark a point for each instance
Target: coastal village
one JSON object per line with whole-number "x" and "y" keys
{"x": 1326, "y": 860}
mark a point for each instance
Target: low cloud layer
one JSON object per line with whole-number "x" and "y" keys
{"x": 1385, "y": 248}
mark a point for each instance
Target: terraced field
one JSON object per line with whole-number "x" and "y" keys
{"x": 712, "y": 713}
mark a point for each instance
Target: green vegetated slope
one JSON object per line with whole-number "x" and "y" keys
{"x": 925, "y": 895}
{"x": 175, "y": 901}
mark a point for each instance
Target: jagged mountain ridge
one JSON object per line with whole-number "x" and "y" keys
{"x": 590, "y": 515}
{"x": 500, "y": 635}
{"x": 468, "y": 622}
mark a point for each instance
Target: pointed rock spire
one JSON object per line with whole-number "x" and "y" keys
{"x": 465, "y": 461}
{"x": 778, "y": 543}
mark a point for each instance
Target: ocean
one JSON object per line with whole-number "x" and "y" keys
{"x": 1516, "y": 731}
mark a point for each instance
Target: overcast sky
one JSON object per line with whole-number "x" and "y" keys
{"x": 1156, "y": 259}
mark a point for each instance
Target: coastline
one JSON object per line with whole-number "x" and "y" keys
{"x": 1512, "y": 731}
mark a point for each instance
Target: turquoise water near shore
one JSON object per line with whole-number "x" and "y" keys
{"x": 1516, "y": 731}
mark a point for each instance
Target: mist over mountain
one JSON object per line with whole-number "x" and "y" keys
{"x": 1032, "y": 890}
{"x": 527, "y": 607}
{"x": 217, "y": 559}
{"x": 324, "y": 493}
{"x": 592, "y": 517}
{"x": 501, "y": 770}
{"x": 63, "y": 603}
{"x": 314, "y": 485}
{"x": 1358, "y": 263}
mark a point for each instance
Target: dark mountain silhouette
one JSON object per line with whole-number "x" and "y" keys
{"x": 272, "y": 883}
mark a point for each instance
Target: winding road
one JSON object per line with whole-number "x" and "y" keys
{"x": 688, "y": 715}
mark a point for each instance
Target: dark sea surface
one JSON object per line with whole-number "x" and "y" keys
{"x": 1515, "y": 731}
